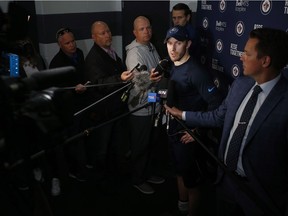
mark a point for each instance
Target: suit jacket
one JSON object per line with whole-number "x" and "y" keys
{"x": 100, "y": 68}
{"x": 62, "y": 60}
{"x": 265, "y": 155}
{"x": 80, "y": 101}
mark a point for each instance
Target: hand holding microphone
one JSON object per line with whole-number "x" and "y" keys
{"x": 79, "y": 88}
{"x": 129, "y": 75}
{"x": 159, "y": 70}
{"x": 173, "y": 111}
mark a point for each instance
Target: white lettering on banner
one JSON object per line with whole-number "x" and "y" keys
{"x": 220, "y": 25}
{"x": 285, "y": 10}
{"x": 256, "y": 26}
{"x": 233, "y": 46}
{"x": 234, "y": 51}
{"x": 216, "y": 66}
{"x": 205, "y": 6}
{"x": 241, "y": 5}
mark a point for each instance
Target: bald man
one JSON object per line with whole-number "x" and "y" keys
{"x": 103, "y": 66}
{"x": 142, "y": 51}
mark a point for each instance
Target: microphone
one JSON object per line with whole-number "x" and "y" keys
{"x": 167, "y": 121}
{"x": 142, "y": 68}
{"x": 126, "y": 93}
{"x": 162, "y": 66}
{"x": 170, "y": 101}
{"x": 45, "y": 79}
{"x": 141, "y": 79}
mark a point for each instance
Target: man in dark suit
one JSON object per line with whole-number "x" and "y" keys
{"x": 262, "y": 164}
{"x": 103, "y": 66}
{"x": 70, "y": 55}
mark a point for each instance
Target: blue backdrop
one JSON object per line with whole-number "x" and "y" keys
{"x": 224, "y": 27}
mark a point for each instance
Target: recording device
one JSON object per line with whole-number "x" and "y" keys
{"x": 9, "y": 65}
{"x": 44, "y": 79}
{"x": 29, "y": 101}
{"x": 137, "y": 81}
{"x": 162, "y": 67}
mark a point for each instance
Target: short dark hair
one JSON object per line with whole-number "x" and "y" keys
{"x": 182, "y": 6}
{"x": 273, "y": 43}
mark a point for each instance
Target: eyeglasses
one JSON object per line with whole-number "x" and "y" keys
{"x": 61, "y": 32}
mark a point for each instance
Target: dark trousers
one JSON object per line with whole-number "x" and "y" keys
{"x": 107, "y": 146}
{"x": 141, "y": 138}
{"x": 231, "y": 200}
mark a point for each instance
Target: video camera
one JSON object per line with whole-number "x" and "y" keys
{"x": 34, "y": 109}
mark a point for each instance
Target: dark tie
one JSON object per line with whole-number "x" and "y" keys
{"x": 236, "y": 140}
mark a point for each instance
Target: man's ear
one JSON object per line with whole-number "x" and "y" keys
{"x": 266, "y": 61}
{"x": 189, "y": 43}
{"x": 134, "y": 32}
{"x": 188, "y": 17}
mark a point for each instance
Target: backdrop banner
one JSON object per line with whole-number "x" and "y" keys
{"x": 224, "y": 28}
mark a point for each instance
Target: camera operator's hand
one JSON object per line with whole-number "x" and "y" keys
{"x": 174, "y": 111}
{"x": 80, "y": 88}
{"x": 127, "y": 75}
{"x": 154, "y": 76}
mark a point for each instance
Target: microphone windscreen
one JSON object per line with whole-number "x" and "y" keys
{"x": 142, "y": 68}
{"x": 141, "y": 80}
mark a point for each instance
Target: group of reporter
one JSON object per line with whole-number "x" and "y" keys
{"x": 194, "y": 99}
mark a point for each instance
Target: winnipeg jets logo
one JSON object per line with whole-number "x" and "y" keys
{"x": 222, "y": 6}
{"x": 239, "y": 28}
{"x": 266, "y": 7}
{"x": 235, "y": 70}
{"x": 205, "y": 23}
{"x": 219, "y": 45}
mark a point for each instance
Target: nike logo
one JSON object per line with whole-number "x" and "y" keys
{"x": 211, "y": 89}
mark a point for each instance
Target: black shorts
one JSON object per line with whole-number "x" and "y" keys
{"x": 186, "y": 161}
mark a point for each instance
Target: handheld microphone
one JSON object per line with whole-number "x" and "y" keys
{"x": 162, "y": 66}
{"x": 167, "y": 121}
{"x": 142, "y": 68}
{"x": 170, "y": 101}
{"x": 126, "y": 93}
{"x": 136, "y": 67}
